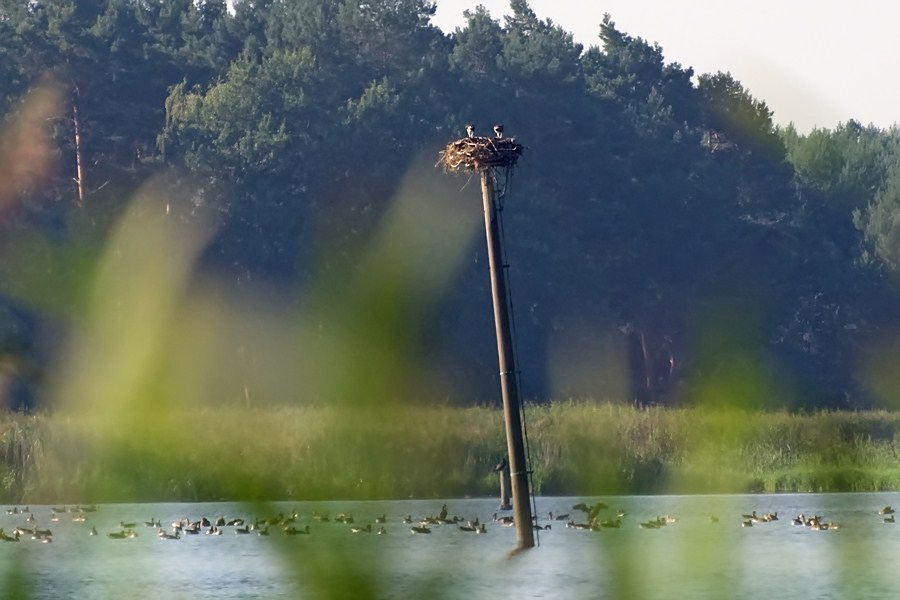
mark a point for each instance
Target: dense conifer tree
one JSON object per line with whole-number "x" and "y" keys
{"x": 645, "y": 202}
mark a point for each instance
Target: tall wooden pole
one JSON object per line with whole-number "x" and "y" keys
{"x": 509, "y": 388}
{"x": 79, "y": 174}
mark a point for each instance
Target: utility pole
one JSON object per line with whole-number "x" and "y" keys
{"x": 79, "y": 160}
{"x": 485, "y": 156}
{"x": 509, "y": 389}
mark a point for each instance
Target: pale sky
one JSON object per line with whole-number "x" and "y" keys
{"x": 815, "y": 63}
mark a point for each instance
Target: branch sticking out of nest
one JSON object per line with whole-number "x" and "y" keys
{"x": 479, "y": 153}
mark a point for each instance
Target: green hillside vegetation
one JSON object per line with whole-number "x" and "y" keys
{"x": 665, "y": 237}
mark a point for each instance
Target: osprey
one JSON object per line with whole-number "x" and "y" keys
{"x": 498, "y": 131}
{"x": 470, "y": 131}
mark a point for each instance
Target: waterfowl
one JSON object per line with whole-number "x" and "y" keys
{"x": 813, "y": 522}
{"x": 164, "y": 535}
{"x": 235, "y": 522}
{"x": 713, "y": 519}
{"x": 420, "y": 529}
{"x": 382, "y": 530}
{"x": 381, "y": 519}
{"x": 611, "y": 524}
{"x": 127, "y": 525}
{"x": 78, "y": 518}
{"x": 558, "y": 517}
{"x": 291, "y": 530}
{"x": 91, "y": 508}
{"x": 747, "y": 523}
{"x": 322, "y": 518}
{"x": 506, "y": 520}
{"x": 817, "y": 526}
{"x": 469, "y": 528}
{"x": 242, "y": 530}
{"x": 213, "y": 531}
{"x": 366, "y": 529}
{"x": 9, "y": 538}
{"x": 12, "y": 511}
{"x": 220, "y": 522}
{"x": 153, "y": 523}
{"x": 408, "y": 519}
{"x": 117, "y": 535}
{"x": 58, "y": 511}
{"x": 889, "y": 519}
{"x": 887, "y": 510}
{"x": 93, "y": 531}
{"x": 481, "y": 529}
{"x": 595, "y": 510}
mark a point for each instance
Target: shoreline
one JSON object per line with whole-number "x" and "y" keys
{"x": 578, "y": 448}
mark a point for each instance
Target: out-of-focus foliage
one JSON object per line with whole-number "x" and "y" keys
{"x": 649, "y": 202}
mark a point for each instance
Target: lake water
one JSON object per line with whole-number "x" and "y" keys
{"x": 690, "y": 558}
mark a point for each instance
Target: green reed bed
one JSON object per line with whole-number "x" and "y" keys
{"x": 325, "y": 453}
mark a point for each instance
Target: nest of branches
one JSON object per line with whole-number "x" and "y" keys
{"x": 479, "y": 153}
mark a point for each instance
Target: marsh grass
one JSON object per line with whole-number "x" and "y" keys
{"x": 314, "y": 453}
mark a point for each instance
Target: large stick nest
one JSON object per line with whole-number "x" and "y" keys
{"x": 479, "y": 153}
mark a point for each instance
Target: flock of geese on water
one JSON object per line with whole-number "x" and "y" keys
{"x": 287, "y": 525}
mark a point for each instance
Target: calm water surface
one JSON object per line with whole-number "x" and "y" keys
{"x": 691, "y": 558}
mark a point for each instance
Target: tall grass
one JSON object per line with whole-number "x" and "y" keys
{"x": 584, "y": 447}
